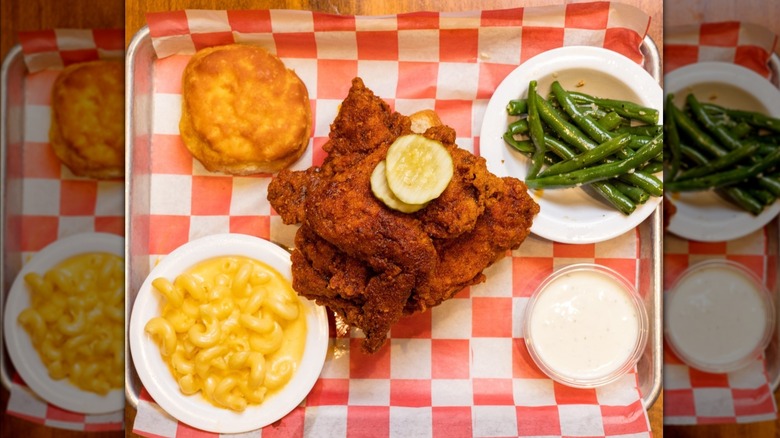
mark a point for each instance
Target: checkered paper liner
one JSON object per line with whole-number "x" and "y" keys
{"x": 58, "y": 48}
{"x": 46, "y": 201}
{"x": 744, "y": 44}
{"x": 692, "y": 396}
{"x": 459, "y": 369}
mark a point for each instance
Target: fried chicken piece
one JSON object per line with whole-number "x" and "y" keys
{"x": 371, "y": 264}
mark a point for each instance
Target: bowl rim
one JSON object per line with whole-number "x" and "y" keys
{"x": 194, "y": 410}
{"x": 761, "y": 290}
{"x": 740, "y": 223}
{"x": 600, "y": 222}
{"x": 642, "y": 321}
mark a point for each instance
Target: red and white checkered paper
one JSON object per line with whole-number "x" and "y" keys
{"x": 459, "y": 369}
{"x": 45, "y": 200}
{"x": 745, "y": 44}
{"x": 692, "y": 396}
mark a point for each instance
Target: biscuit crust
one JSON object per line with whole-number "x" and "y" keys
{"x": 87, "y": 122}
{"x": 243, "y": 111}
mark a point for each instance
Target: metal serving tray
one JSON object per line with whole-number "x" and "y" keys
{"x": 138, "y": 115}
{"x": 773, "y": 250}
{"x": 14, "y": 71}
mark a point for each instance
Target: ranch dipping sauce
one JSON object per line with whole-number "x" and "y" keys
{"x": 585, "y": 326}
{"x": 718, "y": 317}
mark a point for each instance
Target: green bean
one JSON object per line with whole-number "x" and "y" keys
{"x": 606, "y": 189}
{"x": 741, "y": 130}
{"x": 558, "y": 147}
{"x": 751, "y": 117}
{"x": 687, "y": 125}
{"x": 672, "y": 138}
{"x": 637, "y": 141}
{"x": 549, "y": 158}
{"x": 636, "y": 194}
{"x": 602, "y": 171}
{"x": 597, "y": 154}
{"x": 722, "y": 162}
{"x": 763, "y": 196}
{"x": 645, "y": 181}
{"x": 536, "y": 132}
{"x": 515, "y": 107}
{"x": 726, "y": 178}
{"x": 611, "y": 121}
{"x": 590, "y": 111}
{"x": 614, "y": 196}
{"x": 735, "y": 194}
{"x": 693, "y": 154}
{"x": 742, "y": 199}
{"x": 770, "y": 183}
{"x": 519, "y": 126}
{"x": 520, "y": 145}
{"x": 624, "y": 108}
{"x": 563, "y": 129}
{"x": 586, "y": 124}
{"x": 642, "y": 130}
{"x": 719, "y": 131}
{"x": 652, "y": 167}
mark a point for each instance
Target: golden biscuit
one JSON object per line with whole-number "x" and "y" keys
{"x": 243, "y": 111}
{"x": 87, "y": 129}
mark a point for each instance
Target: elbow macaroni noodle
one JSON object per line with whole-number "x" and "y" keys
{"x": 76, "y": 320}
{"x": 231, "y": 328}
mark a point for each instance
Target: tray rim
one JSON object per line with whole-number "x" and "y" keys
{"x": 652, "y": 64}
{"x": 14, "y": 55}
{"x": 143, "y": 36}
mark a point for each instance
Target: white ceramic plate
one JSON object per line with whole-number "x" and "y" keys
{"x": 705, "y": 216}
{"x": 574, "y": 215}
{"x": 25, "y": 358}
{"x": 194, "y": 410}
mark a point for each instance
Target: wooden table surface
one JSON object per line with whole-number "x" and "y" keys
{"x": 45, "y": 14}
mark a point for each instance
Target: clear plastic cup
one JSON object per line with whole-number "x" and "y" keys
{"x": 585, "y": 326}
{"x": 718, "y": 316}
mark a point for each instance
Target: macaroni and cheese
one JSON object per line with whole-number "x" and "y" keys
{"x": 231, "y": 328}
{"x": 76, "y": 320}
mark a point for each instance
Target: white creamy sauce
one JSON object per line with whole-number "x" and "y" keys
{"x": 716, "y": 316}
{"x": 584, "y": 325}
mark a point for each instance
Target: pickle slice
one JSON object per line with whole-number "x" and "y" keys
{"x": 418, "y": 168}
{"x": 382, "y": 191}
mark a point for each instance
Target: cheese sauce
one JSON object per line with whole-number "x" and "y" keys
{"x": 584, "y": 325}
{"x": 716, "y": 317}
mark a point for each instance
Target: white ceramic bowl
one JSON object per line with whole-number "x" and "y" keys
{"x": 703, "y": 215}
{"x": 25, "y": 358}
{"x": 718, "y": 316}
{"x": 572, "y": 215}
{"x": 194, "y": 410}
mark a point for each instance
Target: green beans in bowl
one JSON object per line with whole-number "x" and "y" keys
{"x": 581, "y": 126}
{"x": 722, "y": 151}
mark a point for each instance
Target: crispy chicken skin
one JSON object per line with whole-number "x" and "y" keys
{"x": 371, "y": 264}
